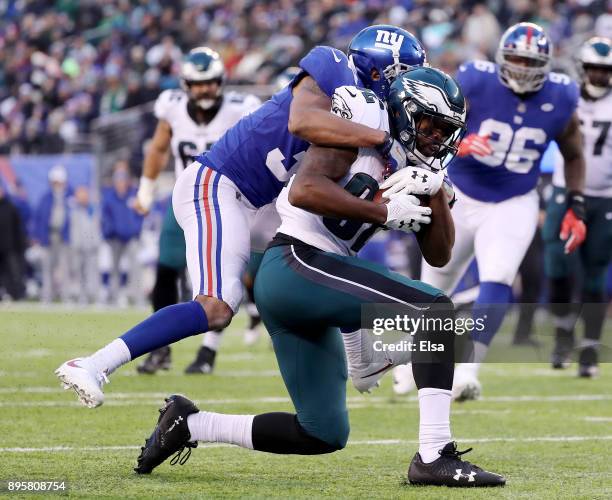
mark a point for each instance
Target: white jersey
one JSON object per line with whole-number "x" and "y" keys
{"x": 344, "y": 237}
{"x": 595, "y": 118}
{"x": 190, "y": 139}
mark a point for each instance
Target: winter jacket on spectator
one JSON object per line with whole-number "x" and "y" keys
{"x": 13, "y": 238}
{"x": 119, "y": 220}
{"x": 42, "y": 219}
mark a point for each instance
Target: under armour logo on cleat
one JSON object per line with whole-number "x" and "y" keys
{"x": 460, "y": 474}
{"x": 176, "y": 422}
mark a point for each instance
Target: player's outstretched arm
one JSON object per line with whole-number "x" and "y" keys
{"x": 310, "y": 119}
{"x": 314, "y": 187}
{"x": 155, "y": 160}
{"x": 436, "y": 239}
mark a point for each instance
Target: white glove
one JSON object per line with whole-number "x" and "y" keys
{"x": 405, "y": 213}
{"x": 146, "y": 193}
{"x": 413, "y": 180}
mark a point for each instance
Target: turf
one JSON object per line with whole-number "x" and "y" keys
{"x": 548, "y": 432}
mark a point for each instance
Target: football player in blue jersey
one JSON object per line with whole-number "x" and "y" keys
{"x": 516, "y": 107}
{"x": 215, "y": 197}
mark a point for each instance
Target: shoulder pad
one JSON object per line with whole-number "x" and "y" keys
{"x": 358, "y": 105}
{"x": 166, "y": 102}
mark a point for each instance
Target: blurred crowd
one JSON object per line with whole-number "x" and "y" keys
{"x": 71, "y": 248}
{"x": 65, "y": 62}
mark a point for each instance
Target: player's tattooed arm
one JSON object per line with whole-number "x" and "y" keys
{"x": 571, "y": 147}
{"x": 315, "y": 187}
{"x": 310, "y": 119}
{"x": 436, "y": 239}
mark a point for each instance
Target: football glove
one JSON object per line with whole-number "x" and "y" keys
{"x": 405, "y": 213}
{"x": 573, "y": 228}
{"x": 145, "y": 195}
{"x": 393, "y": 153}
{"x": 412, "y": 180}
{"x": 475, "y": 144}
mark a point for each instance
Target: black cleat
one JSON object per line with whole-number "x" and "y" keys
{"x": 451, "y": 470}
{"x": 159, "y": 359}
{"x": 204, "y": 362}
{"x": 170, "y": 436}
{"x": 587, "y": 363}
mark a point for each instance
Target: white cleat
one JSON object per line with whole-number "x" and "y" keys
{"x": 81, "y": 376}
{"x": 403, "y": 380}
{"x": 251, "y": 336}
{"x": 365, "y": 376}
{"x": 465, "y": 384}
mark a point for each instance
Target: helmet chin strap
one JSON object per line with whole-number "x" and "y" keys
{"x": 595, "y": 91}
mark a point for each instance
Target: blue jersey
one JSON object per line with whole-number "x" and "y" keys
{"x": 519, "y": 131}
{"x": 258, "y": 153}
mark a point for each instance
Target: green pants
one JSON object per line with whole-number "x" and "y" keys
{"x": 594, "y": 254}
{"x": 305, "y": 296}
{"x": 172, "y": 243}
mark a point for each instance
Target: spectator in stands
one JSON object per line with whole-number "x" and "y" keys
{"x": 12, "y": 247}
{"x": 52, "y": 226}
{"x": 121, "y": 227}
{"x": 84, "y": 242}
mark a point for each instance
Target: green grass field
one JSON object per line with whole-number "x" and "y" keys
{"x": 549, "y": 433}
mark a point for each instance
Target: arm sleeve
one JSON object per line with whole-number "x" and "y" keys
{"x": 329, "y": 67}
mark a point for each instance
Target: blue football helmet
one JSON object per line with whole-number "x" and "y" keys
{"x": 387, "y": 49}
{"x": 529, "y": 42}
{"x": 596, "y": 64}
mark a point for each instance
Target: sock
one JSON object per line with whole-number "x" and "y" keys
{"x": 212, "y": 339}
{"x": 166, "y": 326}
{"x": 490, "y": 308}
{"x": 219, "y": 428}
{"x": 594, "y": 307}
{"x": 111, "y": 357}
{"x": 352, "y": 347}
{"x": 434, "y": 422}
{"x": 253, "y": 313}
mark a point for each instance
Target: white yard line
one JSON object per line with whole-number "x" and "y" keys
{"x": 369, "y": 442}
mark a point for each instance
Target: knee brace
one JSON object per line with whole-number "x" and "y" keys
{"x": 282, "y": 433}
{"x": 435, "y": 368}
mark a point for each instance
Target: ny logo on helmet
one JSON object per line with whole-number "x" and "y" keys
{"x": 388, "y": 40}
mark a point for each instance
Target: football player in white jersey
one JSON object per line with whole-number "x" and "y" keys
{"x": 190, "y": 120}
{"x": 516, "y": 108}
{"x": 311, "y": 285}
{"x": 595, "y": 112}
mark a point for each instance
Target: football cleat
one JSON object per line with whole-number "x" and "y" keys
{"x": 170, "y": 436}
{"x": 451, "y": 470}
{"x": 366, "y": 375}
{"x": 561, "y": 356}
{"x": 465, "y": 384}
{"x": 80, "y": 375}
{"x": 587, "y": 363}
{"x": 204, "y": 362}
{"x": 403, "y": 380}
{"x": 159, "y": 359}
